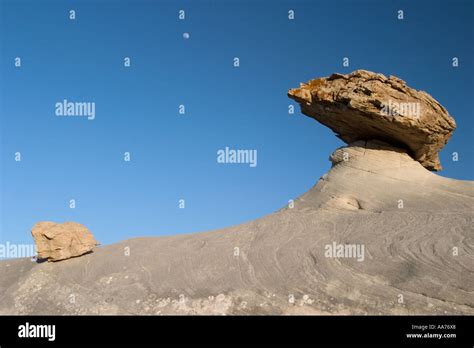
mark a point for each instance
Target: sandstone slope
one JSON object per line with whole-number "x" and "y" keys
{"x": 278, "y": 264}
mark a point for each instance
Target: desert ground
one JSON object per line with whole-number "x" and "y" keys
{"x": 416, "y": 229}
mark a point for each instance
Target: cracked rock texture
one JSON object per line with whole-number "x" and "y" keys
{"x": 416, "y": 228}
{"x": 56, "y": 242}
{"x": 364, "y": 106}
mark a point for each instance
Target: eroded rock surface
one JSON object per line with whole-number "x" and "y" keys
{"x": 56, "y": 242}
{"x": 364, "y": 105}
{"x": 375, "y": 196}
{"x": 403, "y": 230}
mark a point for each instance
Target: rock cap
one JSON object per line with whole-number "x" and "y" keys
{"x": 55, "y": 241}
{"x": 364, "y": 105}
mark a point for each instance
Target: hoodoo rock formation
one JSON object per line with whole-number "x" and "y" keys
{"x": 377, "y": 234}
{"x": 56, "y": 242}
{"x": 364, "y": 106}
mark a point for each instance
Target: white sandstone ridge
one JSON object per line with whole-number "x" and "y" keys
{"x": 401, "y": 239}
{"x": 375, "y": 176}
{"x": 378, "y": 234}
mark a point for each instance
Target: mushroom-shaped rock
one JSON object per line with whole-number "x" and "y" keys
{"x": 56, "y": 242}
{"x": 364, "y": 106}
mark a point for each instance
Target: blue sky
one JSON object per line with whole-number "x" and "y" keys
{"x": 173, "y": 156}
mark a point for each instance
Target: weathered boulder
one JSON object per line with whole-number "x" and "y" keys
{"x": 364, "y": 106}
{"x": 57, "y": 242}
